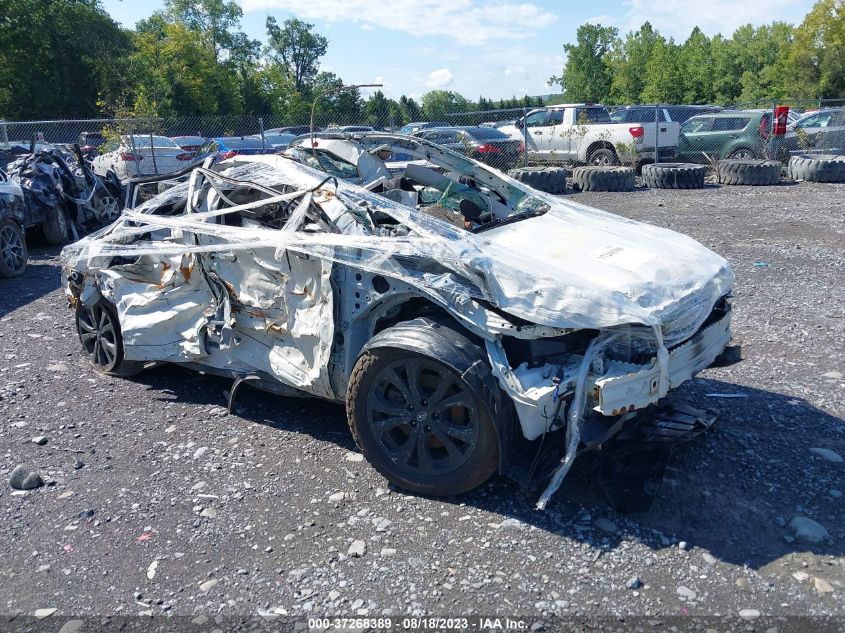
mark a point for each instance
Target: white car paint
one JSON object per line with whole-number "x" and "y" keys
{"x": 560, "y": 133}
{"x": 137, "y": 156}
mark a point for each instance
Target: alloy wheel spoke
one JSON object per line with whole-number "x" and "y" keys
{"x": 386, "y": 424}
{"x": 463, "y": 433}
{"x": 423, "y": 454}
{"x": 448, "y": 444}
{"x": 407, "y": 447}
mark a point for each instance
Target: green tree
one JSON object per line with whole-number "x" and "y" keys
{"x": 586, "y": 76}
{"x": 663, "y": 77}
{"x": 297, "y": 47}
{"x": 817, "y": 58}
{"x": 628, "y": 60}
{"x": 696, "y": 68}
{"x": 55, "y": 57}
{"x": 410, "y": 109}
{"x": 436, "y": 104}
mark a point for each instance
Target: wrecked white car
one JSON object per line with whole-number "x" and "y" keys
{"x": 460, "y": 315}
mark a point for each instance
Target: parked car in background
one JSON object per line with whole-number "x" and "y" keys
{"x": 585, "y": 133}
{"x": 140, "y": 155}
{"x": 296, "y": 130}
{"x": 354, "y": 128}
{"x": 14, "y": 221}
{"x": 645, "y": 114}
{"x": 416, "y": 126}
{"x": 484, "y": 144}
{"x": 90, "y": 141}
{"x": 189, "y": 143}
{"x": 224, "y": 147}
{"x": 274, "y": 140}
{"x": 727, "y": 134}
{"x": 819, "y": 130}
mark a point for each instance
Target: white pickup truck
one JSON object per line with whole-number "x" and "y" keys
{"x": 584, "y": 133}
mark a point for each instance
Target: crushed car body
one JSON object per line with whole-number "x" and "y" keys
{"x": 455, "y": 311}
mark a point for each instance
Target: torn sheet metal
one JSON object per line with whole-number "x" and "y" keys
{"x": 232, "y": 270}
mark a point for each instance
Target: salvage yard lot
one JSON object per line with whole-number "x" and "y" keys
{"x": 258, "y": 510}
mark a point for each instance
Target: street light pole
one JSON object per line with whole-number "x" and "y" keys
{"x": 329, "y": 91}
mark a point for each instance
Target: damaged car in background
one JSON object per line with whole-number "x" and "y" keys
{"x": 469, "y": 323}
{"x": 56, "y": 194}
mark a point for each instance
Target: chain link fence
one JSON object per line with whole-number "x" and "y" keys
{"x": 506, "y": 138}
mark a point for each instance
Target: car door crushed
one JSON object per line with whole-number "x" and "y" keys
{"x": 523, "y": 314}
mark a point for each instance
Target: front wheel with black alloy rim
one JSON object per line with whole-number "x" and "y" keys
{"x": 99, "y": 332}
{"x": 420, "y": 423}
{"x": 13, "y": 252}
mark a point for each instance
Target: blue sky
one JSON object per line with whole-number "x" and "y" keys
{"x": 478, "y": 48}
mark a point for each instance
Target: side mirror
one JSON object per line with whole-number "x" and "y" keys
{"x": 519, "y": 123}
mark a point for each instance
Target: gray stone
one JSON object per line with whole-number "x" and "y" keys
{"x": 808, "y": 530}
{"x": 822, "y": 586}
{"x": 686, "y": 593}
{"x": 41, "y": 440}
{"x": 634, "y": 583}
{"x": 708, "y": 558}
{"x": 24, "y": 479}
{"x": 511, "y": 524}
{"x": 357, "y": 549}
{"x": 824, "y": 453}
{"x": 209, "y": 513}
{"x": 749, "y": 614}
{"x": 208, "y": 585}
{"x": 40, "y": 614}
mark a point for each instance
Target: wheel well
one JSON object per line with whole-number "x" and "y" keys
{"x": 600, "y": 145}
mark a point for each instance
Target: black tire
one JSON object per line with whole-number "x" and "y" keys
{"x": 13, "y": 251}
{"x": 56, "y": 227}
{"x": 748, "y": 172}
{"x": 548, "y": 179}
{"x": 99, "y": 332}
{"x": 416, "y": 443}
{"x": 603, "y": 157}
{"x": 603, "y": 178}
{"x": 817, "y": 168}
{"x": 673, "y": 176}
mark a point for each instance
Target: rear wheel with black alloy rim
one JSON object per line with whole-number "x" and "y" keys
{"x": 99, "y": 332}
{"x": 420, "y": 423}
{"x": 13, "y": 252}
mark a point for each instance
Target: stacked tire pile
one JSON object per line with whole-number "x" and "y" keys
{"x": 548, "y": 179}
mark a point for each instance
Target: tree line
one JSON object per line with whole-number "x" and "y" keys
{"x": 69, "y": 58}
{"x": 774, "y": 61}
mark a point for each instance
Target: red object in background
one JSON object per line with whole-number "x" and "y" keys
{"x": 229, "y": 154}
{"x": 487, "y": 148}
{"x": 637, "y": 132}
{"x": 781, "y": 120}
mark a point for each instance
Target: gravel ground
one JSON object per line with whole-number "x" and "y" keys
{"x": 159, "y": 502}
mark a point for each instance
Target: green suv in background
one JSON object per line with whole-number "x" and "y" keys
{"x": 738, "y": 134}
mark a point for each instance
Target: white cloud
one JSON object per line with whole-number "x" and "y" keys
{"x": 515, "y": 70}
{"x": 439, "y": 78}
{"x": 469, "y": 22}
{"x": 676, "y": 18}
